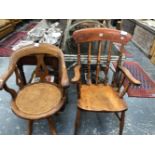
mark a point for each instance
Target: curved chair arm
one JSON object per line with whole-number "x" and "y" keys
{"x": 77, "y": 74}
{"x": 129, "y": 75}
{"x": 64, "y": 78}
{"x": 3, "y": 80}
{"x": 6, "y": 76}
{"x": 130, "y": 78}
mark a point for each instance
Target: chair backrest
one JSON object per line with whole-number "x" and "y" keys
{"x": 39, "y": 54}
{"x": 103, "y": 36}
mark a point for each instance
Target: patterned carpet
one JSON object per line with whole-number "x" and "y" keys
{"x": 5, "y": 52}
{"x": 147, "y": 87}
{"x": 30, "y": 26}
{"x": 7, "y": 44}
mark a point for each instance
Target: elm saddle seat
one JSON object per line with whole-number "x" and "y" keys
{"x": 41, "y": 99}
{"x": 100, "y": 95}
{"x": 100, "y": 98}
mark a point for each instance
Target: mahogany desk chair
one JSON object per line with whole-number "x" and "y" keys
{"x": 40, "y": 99}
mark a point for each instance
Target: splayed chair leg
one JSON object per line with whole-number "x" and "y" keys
{"x": 122, "y": 118}
{"x": 51, "y": 124}
{"x": 30, "y": 127}
{"x": 77, "y": 121}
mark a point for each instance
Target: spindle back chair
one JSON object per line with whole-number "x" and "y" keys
{"x": 95, "y": 94}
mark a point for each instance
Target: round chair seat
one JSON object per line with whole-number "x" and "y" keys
{"x": 38, "y": 100}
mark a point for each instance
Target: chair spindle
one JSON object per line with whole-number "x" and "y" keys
{"x": 89, "y": 63}
{"x": 98, "y": 61}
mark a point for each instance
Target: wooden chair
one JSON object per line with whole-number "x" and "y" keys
{"x": 37, "y": 100}
{"x": 95, "y": 94}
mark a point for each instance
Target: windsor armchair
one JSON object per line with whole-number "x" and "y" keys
{"x": 42, "y": 98}
{"x": 96, "y": 94}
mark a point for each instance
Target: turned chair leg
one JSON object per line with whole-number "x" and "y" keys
{"x": 122, "y": 118}
{"x": 77, "y": 121}
{"x": 30, "y": 127}
{"x": 51, "y": 124}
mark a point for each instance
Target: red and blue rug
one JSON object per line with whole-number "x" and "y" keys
{"x": 7, "y": 44}
{"x": 147, "y": 87}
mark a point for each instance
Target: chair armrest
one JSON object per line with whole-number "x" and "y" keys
{"x": 64, "y": 78}
{"x": 77, "y": 74}
{"x": 5, "y": 77}
{"x": 129, "y": 75}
